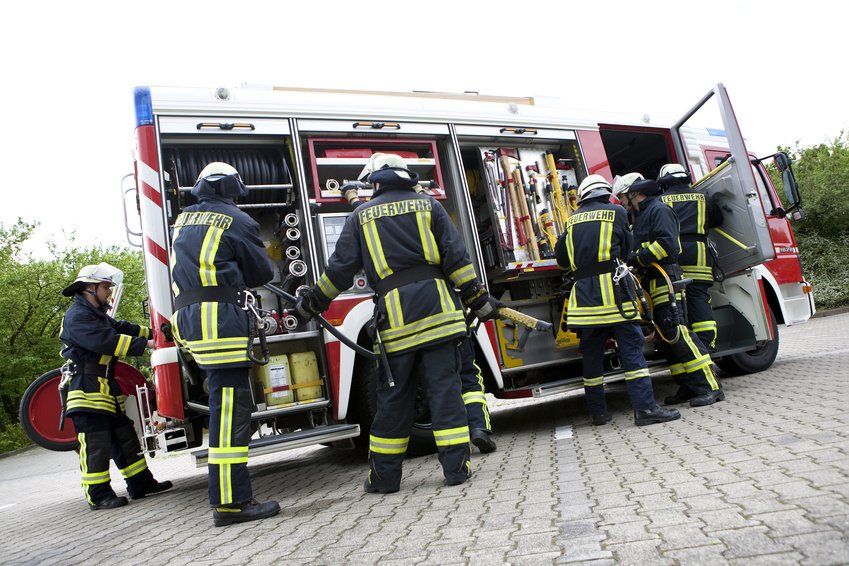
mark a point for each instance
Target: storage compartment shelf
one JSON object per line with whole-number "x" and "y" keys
{"x": 287, "y": 337}
{"x": 363, "y": 161}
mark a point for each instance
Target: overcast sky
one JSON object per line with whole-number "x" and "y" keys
{"x": 69, "y": 69}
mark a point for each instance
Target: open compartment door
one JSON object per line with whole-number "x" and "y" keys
{"x": 743, "y": 239}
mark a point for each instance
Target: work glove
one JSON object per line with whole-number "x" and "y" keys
{"x": 350, "y": 191}
{"x": 307, "y": 306}
{"x": 632, "y": 260}
{"x": 481, "y": 303}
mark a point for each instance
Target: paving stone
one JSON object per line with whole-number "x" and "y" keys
{"x": 702, "y": 555}
{"x": 749, "y": 541}
{"x": 821, "y": 548}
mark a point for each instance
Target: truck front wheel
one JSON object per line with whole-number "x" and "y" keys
{"x": 753, "y": 361}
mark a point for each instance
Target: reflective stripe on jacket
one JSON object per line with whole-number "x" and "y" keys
{"x": 595, "y": 234}
{"x": 94, "y": 341}
{"x": 397, "y": 230}
{"x": 696, "y": 214}
{"x": 216, "y": 244}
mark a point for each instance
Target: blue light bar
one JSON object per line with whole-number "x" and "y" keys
{"x": 144, "y": 108}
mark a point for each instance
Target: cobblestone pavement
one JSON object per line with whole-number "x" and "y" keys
{"x": 760, "y": 478}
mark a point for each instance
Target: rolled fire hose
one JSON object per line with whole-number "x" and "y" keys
{"x": 672, "y": 302}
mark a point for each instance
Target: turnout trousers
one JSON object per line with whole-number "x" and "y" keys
{"x": 390, "y": 431}
{"x": 700, "y": 313}
{"x": 104, "y": 437}
{"x": 230, "y": 408}
{"x": 689, "y": 359}
{"x": 471, "y": 384}
{"x": 629, "y": 339}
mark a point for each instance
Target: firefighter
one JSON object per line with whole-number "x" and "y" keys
{"x": 696, "y": 214}
{"x": 414, "y": 258}
{"x": 655, "y": 254}
{"x": 92, "y": 344}
{"x": 216, "y": 255}
{"x": 591, "y": 249}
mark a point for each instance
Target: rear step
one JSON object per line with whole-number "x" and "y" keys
{"x": 291, "y": 440}
{"x": 576, "y": 384}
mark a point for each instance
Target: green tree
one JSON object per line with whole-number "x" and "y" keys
{"x": 33, "y": 306}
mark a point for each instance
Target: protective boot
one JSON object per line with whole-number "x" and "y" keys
{"x": 152, "y": 489}
{"x": 708, "y": 398}
{"x": 244, "y": 512}
{"x": 460, "y": 477}
{"x": 483, "y": 440}
{"x": 601, "y": 418}
{"x": 655, "y": 416}
{"x": 681, "y": 396}
{"x": 111, "y": 503}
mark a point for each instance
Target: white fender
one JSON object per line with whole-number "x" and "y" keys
{"x": 356, "y": 318}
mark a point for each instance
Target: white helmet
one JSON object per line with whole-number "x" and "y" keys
{"x": 593, "y": 186}
{"x": 217, "y": 170}
{"x": 675, "y": 170}
{"x": 622, "y": 182}
{"x": 100, "y": 273}
{"x": 381, "y": 160}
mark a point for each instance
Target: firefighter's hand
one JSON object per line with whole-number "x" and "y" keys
{"x": 150, "y": 344}
{"x": 306, "y": 307}
{"x": 485, "y": 307}
{"x": 632, "y": 260}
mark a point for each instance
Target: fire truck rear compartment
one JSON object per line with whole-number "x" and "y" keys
{"x": 265, "y": 164}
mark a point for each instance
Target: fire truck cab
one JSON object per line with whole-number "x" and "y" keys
{"x": 296, "y": 147}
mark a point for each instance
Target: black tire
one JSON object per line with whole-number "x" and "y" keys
{"x": 26, "y": 424}
{"x": 364, "y": 405}
{"x": 753, "y": 361}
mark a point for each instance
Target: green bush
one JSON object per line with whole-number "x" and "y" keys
{"x": 12, "y": 438}
{"x": 824, "y": 265}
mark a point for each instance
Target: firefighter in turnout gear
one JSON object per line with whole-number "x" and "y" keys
{"x": 93, "y": 342}
{"x": 696, "y": 214}
{"x": 655, "y": 254}
{"x": 591, "y": 250}
{"x": 413, "y": 258}
{"x": 216, "y": 255}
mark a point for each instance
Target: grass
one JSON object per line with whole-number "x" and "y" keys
{"x": 13, "y": 438}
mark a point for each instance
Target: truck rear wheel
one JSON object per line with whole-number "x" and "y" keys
{"x": 364, "y": 403}
{"x": 753, "y": 361}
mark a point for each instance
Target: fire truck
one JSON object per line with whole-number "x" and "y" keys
{"x": 501, "y": 166}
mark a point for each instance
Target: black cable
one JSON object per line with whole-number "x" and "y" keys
{"x": 323, "y": 322}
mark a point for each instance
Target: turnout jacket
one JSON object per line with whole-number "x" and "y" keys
{"x": 656, "y": 241}
{"x": 696, "y": 214}
{"x": 94, "y": 341}
{"x": 215, "y": 244}
{"x": 596, "y": 235}
{"x": 395, "y": 231}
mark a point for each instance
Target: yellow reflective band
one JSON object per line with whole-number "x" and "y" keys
{"x": 636, "y": 374}
{"x": 460, "y": 277}
{"x": 381, "y": 445}
{"x": 429, "y": 248}
{"x": 228, "y": 455}
{"x": 135, "y": 468}
{"x": 657, "y": 250}
{"x": 731, "y": 238}
{"x": 701, "y": 260}
{"x": 704, "y": 326}
{"x": 451, "y": 436}
{"x": 593, "y": 381}
{"x": 474, "y": 397}
{"x": 700, "y": 222}
{"x": 95, "y": 478}
{"x": 123, "y": 345}
{"x": 375, "y": 250}
{"x": 605, "y": 234}
{"x": 392, "y": 300}
{"x": 701, "y": 362}
{"x": 221, "y": 358}
{"x": 570, "y": 248}
{"x": 144, "y": 332}
{"x": 94, "y": 397}
{"x": 327, "y": 287}
{"x": 676, "y": 369}
{"x": 218, "y": 344}
{"x": 225, "y": 429}
{"x": 208, "y": 250}
{"x": 228, "y": 510}
{"x": 602, "y": 286}
{"x": 444, "y": 296}
{"x": 77, "y": 404}
{"x": 430, "y": 335}
{"x": 105, "y": 360}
